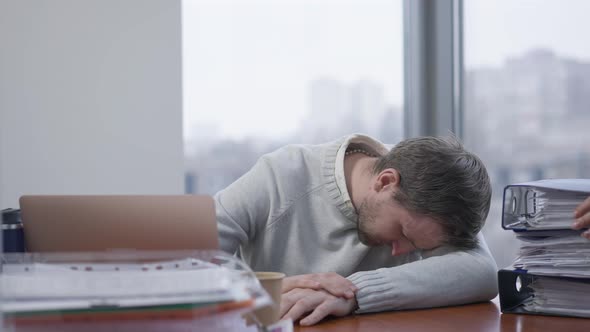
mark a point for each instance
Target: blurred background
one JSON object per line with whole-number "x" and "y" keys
{"x": 159, "y": 96}
{"x": 261, "y": 74}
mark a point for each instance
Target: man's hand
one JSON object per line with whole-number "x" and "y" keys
{"x": 331, "y": 282}
{"x": 582, "y": 215}
{"x": 300, "y": 301}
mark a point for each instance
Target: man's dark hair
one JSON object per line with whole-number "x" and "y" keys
{"x": 440, "y": 179}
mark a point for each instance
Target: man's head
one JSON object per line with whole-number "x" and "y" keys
{"x": 425, "y": 192}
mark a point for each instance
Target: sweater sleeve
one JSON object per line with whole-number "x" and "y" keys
{"x": 242, "y": 209}
{"x": 444, "y": 278}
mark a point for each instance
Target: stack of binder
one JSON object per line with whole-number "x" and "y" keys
{"x": 551, "y": 275}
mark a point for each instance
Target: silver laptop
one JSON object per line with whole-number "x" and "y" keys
{"x": 111, "y": 222}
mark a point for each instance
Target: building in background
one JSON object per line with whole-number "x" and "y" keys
{"x": 529, "y": 118}
{"x": 335, "y": 109}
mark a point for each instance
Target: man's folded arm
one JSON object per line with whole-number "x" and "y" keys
{"x": 444, "y": 278}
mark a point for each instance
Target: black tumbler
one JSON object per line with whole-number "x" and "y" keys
{"x": 13, "y": 237}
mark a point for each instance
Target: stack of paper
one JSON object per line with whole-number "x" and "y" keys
{"x": 567, "y": 256}
{"x": 559, "y": 297}
{"x": 183, "y": 291}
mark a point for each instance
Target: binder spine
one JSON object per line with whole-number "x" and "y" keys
{"x": 513, "y": 290}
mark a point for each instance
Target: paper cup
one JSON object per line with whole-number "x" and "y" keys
{"x": 272, "y": 283}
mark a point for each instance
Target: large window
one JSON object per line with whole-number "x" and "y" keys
{"x": 259, "y": 74}
{"x": 527, "y": 96}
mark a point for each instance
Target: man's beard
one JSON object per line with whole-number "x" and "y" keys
{"x": 366, "y": 217}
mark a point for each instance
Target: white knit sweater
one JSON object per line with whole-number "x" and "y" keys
{"x": 292, "y": 213}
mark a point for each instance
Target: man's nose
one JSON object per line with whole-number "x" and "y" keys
{"x": 400, "y": 248}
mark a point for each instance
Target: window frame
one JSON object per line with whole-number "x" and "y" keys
{"x": 433, "y": 68}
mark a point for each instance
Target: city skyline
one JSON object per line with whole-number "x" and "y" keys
{"x": 262, "y": 53}
{"x": 319, "y": 113}
{"x": 550, "y": 88}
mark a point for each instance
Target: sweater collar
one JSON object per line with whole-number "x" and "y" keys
{"x": 333, "y": 169}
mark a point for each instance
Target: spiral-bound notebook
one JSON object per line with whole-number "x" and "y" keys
{"x": 543, "y": 205}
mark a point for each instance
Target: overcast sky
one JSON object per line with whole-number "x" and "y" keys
{"x": 247, "y": 64}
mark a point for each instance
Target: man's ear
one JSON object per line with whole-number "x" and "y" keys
{"x": 387, "y": 179}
